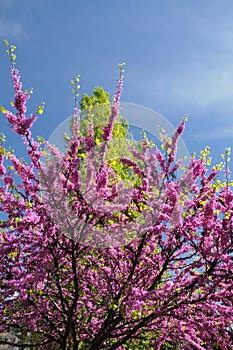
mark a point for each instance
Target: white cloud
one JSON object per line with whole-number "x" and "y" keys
{"x": 9, "y": 25}
{"x": 193, "y": 87}
{"x": 10, "y": 28}
{"x": 199, "y": 73}
{"x": 202, "y": 86}
{"x": 216, "y": 134}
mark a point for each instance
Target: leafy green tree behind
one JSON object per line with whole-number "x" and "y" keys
{"x": 96, "y": 109}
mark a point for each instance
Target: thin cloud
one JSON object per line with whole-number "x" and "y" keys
{"x": 216, "y": 134}
{"x": 200, "y": 86}
{"x": 196, "y": 76}
{"x": 10, "y": 28}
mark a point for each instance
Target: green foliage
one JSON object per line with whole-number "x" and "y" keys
{"x": 99, "y": 96}
{"x": 145, "y": 342}
{"x": 96, "y": 109}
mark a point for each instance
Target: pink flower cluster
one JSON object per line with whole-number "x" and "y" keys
{"x": 170, "y": 283}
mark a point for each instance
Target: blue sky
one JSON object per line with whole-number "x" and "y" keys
{"x": 178, "y": 54}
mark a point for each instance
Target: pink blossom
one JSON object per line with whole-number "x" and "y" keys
{"x": 168, "y": 280}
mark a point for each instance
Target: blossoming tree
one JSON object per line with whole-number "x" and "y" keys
{"x": 89, "y": 262}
